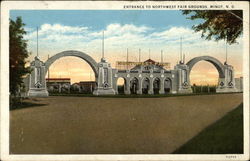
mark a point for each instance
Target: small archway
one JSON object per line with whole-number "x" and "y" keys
{"x": 134, "y": 85}
{"x": 145, "y": 85}
{"x": 156, "y": 85}
{"x": 167, "y": 85}
{"x": 121, "y": 85}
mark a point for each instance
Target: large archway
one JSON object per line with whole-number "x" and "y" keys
{"x": 75, "y": 53}
{"x": 205, "y": 74}
{"x": 81, "y": 86}
{"x": 218, "y": 65}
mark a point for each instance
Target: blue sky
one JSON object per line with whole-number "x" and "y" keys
{"x": 157, "y": 30}
{"x": 101, "y": 18}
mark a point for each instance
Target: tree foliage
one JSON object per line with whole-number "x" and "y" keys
{"x": 218, "y": 24}
{"x": 17, "y": 54}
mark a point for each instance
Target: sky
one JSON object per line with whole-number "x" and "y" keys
{"x": 60, "y": 30}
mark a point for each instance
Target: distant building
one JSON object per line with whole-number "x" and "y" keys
{"x": 121, "y": 65}
{"x": 239, "y": 84}
{"x": 75, "y": 88}
{"x": 58, "y": 85}
{"x": 87, "y": 86}
{"x": 83, "y": 87}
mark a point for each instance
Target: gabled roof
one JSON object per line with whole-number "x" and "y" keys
{"x": 150, "y": 61}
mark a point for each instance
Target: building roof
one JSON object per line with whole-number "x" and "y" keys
{"x": 150, "y": 61}
{"x": 77, "y": 83}
{"x": 147, "y": 65}
{"x": 57, "y": 78}
{"x": 87, "y": 82}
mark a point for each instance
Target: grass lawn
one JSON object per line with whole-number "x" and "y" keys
{"x": 223, "y": 137}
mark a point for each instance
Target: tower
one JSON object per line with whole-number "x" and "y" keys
{"x": 37, "y": 82}
{"x": 105, "y": 79}
{"x": 105, "y": 76}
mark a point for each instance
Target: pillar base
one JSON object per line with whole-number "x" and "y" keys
{"x": 139, "y": 92}
{"x": 173, "y": 92}
{"x": 38, "y": 92}
{"x": 127, "y": 92}
{"x": 226, "y": 90}
{"x": 150, "y": 92}
{"x": 185, "y": 90}
{"x": 104, "y": 92}
{"x": 161, "y": 92}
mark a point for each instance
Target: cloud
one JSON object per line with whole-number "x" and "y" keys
{"x": 119, "y": 30}
{"x": 50, "y": 30}
{"x": 54, "y": 38}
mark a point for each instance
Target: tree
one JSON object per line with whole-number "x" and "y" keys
{"x": 17, "y": 55}
{"x": 218, "y": 24}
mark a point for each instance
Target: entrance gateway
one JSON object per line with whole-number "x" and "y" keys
{"x": 142, "y": 79}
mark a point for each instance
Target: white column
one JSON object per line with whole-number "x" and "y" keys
{"x": 139, "y": 91}
{"x": 161, "y": 91}
{"x": 151, "y": 87}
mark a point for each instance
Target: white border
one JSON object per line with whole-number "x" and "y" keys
{"x": 111, "y": 5}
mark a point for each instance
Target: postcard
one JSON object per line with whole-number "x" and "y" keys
{"x": 124, "y": 80}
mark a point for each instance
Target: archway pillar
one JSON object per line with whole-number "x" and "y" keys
{"x": 139, "y": 90}
{"x": 183, "y": 84}
{"x": 37, "y": 82}
{"x": 116, "y": 87}
{"x": 127, "y": 86}
{"x": 105, "y": 79}
{"x": 161, "y": 91}
{"x": 162, "y": 81}
{"x": 151, "y": 87}
{"x": 227, "y": 84}
{"x": 115, "y": 79}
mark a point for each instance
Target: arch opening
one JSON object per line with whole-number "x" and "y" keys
{"x": 73, "y": 53}
{"x": 70, "y": 74}
{"x": 167, "y": 85}
{"x": 145, "y": 85}
{"x": 134, "y": 85}
{"x": 156, "y": 85}
{"x": 204, "y": 77}
{"x": 216, "y": 63}
{"x": 121, "y": 85}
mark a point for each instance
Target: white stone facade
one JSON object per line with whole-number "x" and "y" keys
{"x": 149, "y": 79}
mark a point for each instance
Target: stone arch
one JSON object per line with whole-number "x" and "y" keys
{"x": 134, "y": 85}
{"x": 156, "y": 85}
{"x": 75, "y": 53}
{"x": 124, "y": 85}
{"x": 145, "y": 85}
{"x": 218, "y": 65}
{"x": 167, "y": 85}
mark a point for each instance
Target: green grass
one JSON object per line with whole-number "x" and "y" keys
{"x": 134, "y": 95}
{"x": 25, "y": 104}
{"x": 223, "y": 137}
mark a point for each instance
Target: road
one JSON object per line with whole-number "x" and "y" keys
{"x": 91, "y": 125}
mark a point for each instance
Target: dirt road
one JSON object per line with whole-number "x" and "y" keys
{"x": 91, "y": 125}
